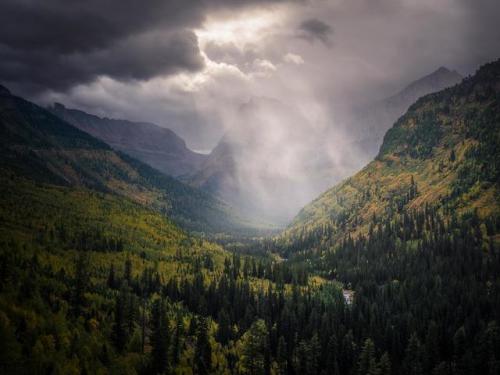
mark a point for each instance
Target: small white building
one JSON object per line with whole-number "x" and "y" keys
{"x": 348, "y": 296}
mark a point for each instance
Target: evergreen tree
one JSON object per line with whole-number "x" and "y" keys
{"x": 119, "y": 326}
{"x": 224, "y": 330}
{"x": 367, "y": 362}
{"x": 282, "y": 356}
{"x": 332, "y": 363}
{"x": 384, "y": 365}
{"x": 81, "y": 282}
{"x": 254, "y": 343}
{"x": 159, "y": 337}
{"x": 203, "y": 350}
{"x": 413, "y": 357}
{"x": 111, "y": 282}
{"x": 176, "y": 342}
{"x": 315, "y": 354}
{"x": 432, "y": 351}
{"x": 127, "y": 273}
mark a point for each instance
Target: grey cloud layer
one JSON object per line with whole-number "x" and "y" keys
{"x": 56, "y": 44}
{"x": 313, "y": 28}
{"x": 136, "y": 57}
{"x": 326, "y": 59}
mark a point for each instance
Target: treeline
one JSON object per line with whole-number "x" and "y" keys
{"x": 84, "y": 321}
{"x": 346, "y": 220}
{"x": 427, "y": 290}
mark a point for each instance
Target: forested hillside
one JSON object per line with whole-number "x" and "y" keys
{"x": 443, "y": 152}
{"x": 91, "y": 282}
{"x": 95, "y": 277}
{"x": 40, "y": 146}
{"x": 372, "y": 121}
{"x": 156, "y": 146}
{"x": 414, "y": 240}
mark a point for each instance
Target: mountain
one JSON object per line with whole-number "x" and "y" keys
{"x": 95, "y": 277}
{"x": 374, "y": 120}
{"x": 159, "y": 147}
{"x": 310, "y": 158}
{"x": 262, "y": 165}
{"x": 41, "y": 147}
{"x": 442, "y": 153}
{"x": 96, "y": 280}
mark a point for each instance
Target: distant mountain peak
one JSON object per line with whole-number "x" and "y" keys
{"x": 442, "y": 70}
{"x": 437, "y": 80}
{"x": 446, "y": 143}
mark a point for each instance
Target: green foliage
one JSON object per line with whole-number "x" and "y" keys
{"x": 254, "y": 347}
{"x": 446, "y": 145}
{"x": 95, "y": 279}
{"x": 37, "y": 145}
{"x": 203, "y": 351}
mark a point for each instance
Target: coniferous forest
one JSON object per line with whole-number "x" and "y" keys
{"x": 110, "y": 265}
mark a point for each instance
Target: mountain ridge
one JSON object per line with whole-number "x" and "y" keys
{"x": 377, "y": 118}
{"x": 42, "y": 147}
{"x": 157, "y": 146}
{"x": 224, "y": 171}
{"x": 442, "y": 151}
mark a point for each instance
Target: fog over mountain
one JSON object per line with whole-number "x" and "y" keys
{"x": 211, "y": 70}
{"x": 268, "y": 166}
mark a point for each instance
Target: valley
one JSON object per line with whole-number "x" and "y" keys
{"x": 124, "y": 252}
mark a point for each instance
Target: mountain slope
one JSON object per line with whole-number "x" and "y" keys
{"x": 374, "y": 120}
{"x": 266, "y": 163}
{"x": 275, "y": 151}
{"x": 443, "y": 152}
{"x": 159, "y": 147}
{"x": 36, "y": 144}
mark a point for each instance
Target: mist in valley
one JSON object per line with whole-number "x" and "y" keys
{"x": 281, "y": 94}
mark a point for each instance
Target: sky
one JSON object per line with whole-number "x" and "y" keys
{"x": 191, "y": 65}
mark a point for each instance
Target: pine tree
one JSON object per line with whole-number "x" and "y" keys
{"x": 347, "y": 354}
{"x": 384, "y": 365}
{"x": 203, "y": 350}
{"x": 254, "y": 348}
{"x": 159, "y": 337}
{"x": 432, "y": 354}
{"x": 81, "y": 282}
{"x": 282, "y": 356}
{"x": 119, "y": 326}
{"x": 224, "y": 330}
{"x": 367, "y": 362}
{"x": 413, "y": 357}
{"x": 332, "y": 363}
{"x": 314, "y": 354}
{"x": 176, "y": 342}
{"x": 111, "y": 277}
{"x": 127, "y": 274}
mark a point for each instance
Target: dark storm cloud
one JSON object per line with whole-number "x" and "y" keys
{"x": 78, "y": 26}
{"x": 313, "y": 28}
{"x": 57, "y": 44}
{"x": 136, "y": 57}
